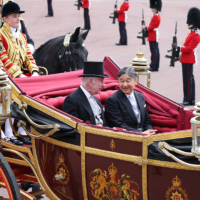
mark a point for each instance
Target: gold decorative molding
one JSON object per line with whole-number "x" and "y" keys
{"x": 109, "y": 133}
{"x": 83, "y": 171}
{"x": 144, "y": 167}
{"x": 140, "y": 161}
{"x": 17, "y": 161}
{"x": 48, "y": 110}
{"x": 109, "y": 154}
{"x": 57, "y": 142}
{"x": 170, "y": 136}
{"x": 173, "y": 165}
{"x": 49, "y": 193}
{"x": 112, "y": 145}
{"x": 19, "y": 148}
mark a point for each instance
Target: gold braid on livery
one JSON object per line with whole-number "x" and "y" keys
{"x": 14, "y": 53}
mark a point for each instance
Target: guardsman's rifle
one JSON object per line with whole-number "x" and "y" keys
{"x": 78, "y": 3}
{"x": 175, "y": 53}
{"x": 114, "y": 15}
{"x": 144, "y": 31}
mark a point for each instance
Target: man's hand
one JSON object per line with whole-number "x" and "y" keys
{"x": 174, "y": 45}
{"x": 35, "y": 74}
{"x": 150, "y": 131}
{"x": 115, "y": 9}
{"x": 143, "y": 27}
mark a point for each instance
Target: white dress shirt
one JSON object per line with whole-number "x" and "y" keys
{"x": 95, "y": 107}
{"x": 15, "y": 32}
{"x": 134, "y": 105}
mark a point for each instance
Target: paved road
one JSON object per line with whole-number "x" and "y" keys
{"x": 103, "y": 36}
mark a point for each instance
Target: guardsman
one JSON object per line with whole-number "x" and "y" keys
{"x": 86, "y": 4}
{"x": 153, "y": 34}
{"x": 23, "y": 30}
{"x": 122, "y": 19}
{"x": 189, "y": 56}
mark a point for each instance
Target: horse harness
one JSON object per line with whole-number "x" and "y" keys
{"x": 66, "y": 51}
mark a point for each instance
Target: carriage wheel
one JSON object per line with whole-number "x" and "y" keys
{"x": 7, "y": 178}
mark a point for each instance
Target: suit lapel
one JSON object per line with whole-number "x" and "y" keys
{"x": 86, "y": 105}
{"x": 127, "y": 104}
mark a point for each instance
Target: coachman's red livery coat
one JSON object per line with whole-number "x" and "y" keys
{"x": 15, "y": 54}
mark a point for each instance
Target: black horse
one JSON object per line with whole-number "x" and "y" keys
{"x": 57, "y": 57}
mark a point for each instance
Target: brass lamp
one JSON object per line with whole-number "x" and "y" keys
{"x": 195, "y": 121}
{"x": 140, "y": 65}
{"x": 5, "y": 98}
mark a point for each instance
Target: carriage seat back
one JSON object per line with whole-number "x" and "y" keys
{"x": 161, "y": 123}
{"x": 57, "y": 102}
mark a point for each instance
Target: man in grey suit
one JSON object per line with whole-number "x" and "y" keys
{"x": 126, "y": 108}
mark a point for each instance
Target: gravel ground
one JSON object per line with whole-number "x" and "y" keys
{"x": 103, "y": 36}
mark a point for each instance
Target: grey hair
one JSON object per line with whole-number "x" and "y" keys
{"x": 127, "y": 70}
{"x": 85, "y": 80}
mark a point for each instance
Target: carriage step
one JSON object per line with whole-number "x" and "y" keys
{"x": 37, "y": 192}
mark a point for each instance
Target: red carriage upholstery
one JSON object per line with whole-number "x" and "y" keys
{"x": 51, "y": 90}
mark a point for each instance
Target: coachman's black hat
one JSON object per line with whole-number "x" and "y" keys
{"x": 10, "y": 8}
{"x": 93, "y": 69}
{"x": 156, "y": 4}
{"x": 193, "y": 17}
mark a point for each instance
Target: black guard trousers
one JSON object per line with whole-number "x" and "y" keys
{"x": 155, "y": 55}
{"x": 50, "y": 9}
{"x": 188, "y": 83}
{"x": 86, "y": 19}
{"x": 123, "y": 34}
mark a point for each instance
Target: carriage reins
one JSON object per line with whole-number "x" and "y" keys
{"x": 66, "y": 51}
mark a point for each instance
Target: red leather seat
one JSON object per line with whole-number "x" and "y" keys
{"x": 161, "y": 123}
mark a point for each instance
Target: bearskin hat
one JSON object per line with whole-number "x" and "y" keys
{"x": 10, "y": 8}
{"x": 193, "y": 17}
{"x": 156, "y": 4}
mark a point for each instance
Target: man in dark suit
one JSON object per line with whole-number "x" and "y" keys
{"x": 81, "y": 103}
{"x": 126, "y": 108}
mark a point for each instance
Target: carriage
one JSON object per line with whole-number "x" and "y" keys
{"x": 75, "y": 160}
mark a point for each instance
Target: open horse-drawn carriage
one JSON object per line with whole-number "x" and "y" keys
{"x": 75, "y": 160}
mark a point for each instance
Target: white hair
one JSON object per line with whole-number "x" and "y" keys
{"x": 85, "y": 80}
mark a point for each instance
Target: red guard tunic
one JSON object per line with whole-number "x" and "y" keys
{"x": 153, "y": 28}
{"x": 122, "y": 12}
{"x": 86, "y": 4}
{"x": 189, "y": 47}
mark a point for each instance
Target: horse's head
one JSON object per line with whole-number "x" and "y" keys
{"x": 76, "y": 51}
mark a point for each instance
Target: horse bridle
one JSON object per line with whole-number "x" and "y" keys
{"x": 66, "y": 51}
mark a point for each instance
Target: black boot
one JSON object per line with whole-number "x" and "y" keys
{"x": 25, "y": 186}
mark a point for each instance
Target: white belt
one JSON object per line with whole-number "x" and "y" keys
{"x": 195, "y": 56}
{"x": 126, "y": 16}
{"x": 157, "y": 34}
